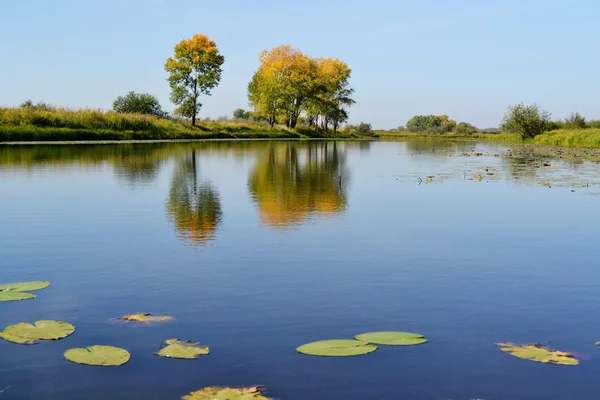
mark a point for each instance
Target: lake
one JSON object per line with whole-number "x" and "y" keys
{"x": 257, "y": 247}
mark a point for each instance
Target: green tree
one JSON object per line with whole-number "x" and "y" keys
{"x": 431, "y": 124}
{"x": 138, "y": 103}
{"x": 528, "y": 121}
{"x": 195, "y": 69}
{"x": 239, "y": 114}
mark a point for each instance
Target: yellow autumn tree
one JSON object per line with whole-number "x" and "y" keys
{"x": 333, "y": 95}
{"x": 285, "y": 81}
{"x": 195, "y": 69}
{"x": 289, "y": 83}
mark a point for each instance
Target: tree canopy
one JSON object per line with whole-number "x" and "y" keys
{"x": 431, "y": 124}
{"x": 195, "y": 69}
{"x": 288, "y": 83}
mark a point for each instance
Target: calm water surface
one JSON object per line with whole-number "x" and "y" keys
{"x": 259, "y": 247}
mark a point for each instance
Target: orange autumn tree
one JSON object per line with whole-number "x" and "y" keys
{"x": 289, "y": 83}
{"x": 195, "y": 69}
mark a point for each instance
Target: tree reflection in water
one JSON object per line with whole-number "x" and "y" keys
{"x": 194, "y": 208}
{"x": 294, "y": 182}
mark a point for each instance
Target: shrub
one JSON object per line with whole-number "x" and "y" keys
{"x": 138, "y": 103}
{"x": 465, "y": 129}
{"x": 528, "y": 121}
{"x": 575, "y": 121}
{"x": 362, "y": 129}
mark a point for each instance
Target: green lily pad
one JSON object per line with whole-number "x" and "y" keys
{"x": 188, "y": 350}
{"x": 538, "y": 353}
{"x": 101, "y": 356}
{"x": 217, "y": 393}
{"x": 16, "y": 339}
{"x": 337, "y": 348}
{"x": 24, "y": 286}
{"x": 42, "y": 330}
{"x": 392, "y": 338}
{"x": 15, "y": 296}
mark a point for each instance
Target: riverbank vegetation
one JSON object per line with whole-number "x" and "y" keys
{"x": 43, "y": 122}
{"x": 521, "y": 124}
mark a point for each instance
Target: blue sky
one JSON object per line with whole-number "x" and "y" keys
{"x": 465, "y": 58}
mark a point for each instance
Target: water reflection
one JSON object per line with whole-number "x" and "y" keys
{"x": 193, "y": 207}
{"x": 292, "y": 183}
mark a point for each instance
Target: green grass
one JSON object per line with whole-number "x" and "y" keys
{"x": 561, "y": 137}
{"x": 61, "y": 124}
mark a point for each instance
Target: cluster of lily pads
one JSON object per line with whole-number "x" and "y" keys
{"x": 364, "y": 343}
{"x": 109, "y": 356}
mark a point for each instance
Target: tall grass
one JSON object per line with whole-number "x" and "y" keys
{"x": 570, "y": 138}
{"x": 56, "y": 124}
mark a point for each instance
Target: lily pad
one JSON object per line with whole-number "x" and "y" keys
{"x": 16, "y": 339}
{"x": 101, "y": 356}
{"x": 337, "y": 348}
{"x": 41, "y": 330}
{"x": 24, "y": 286}
{"x": 538, "y": 353}
{"x": 392, "y": 338}
{"x": 218, "y": 393}
{"x": 175, "y": 348}
{"x": 146, "y": 317}
{"x": 15, "y": 296}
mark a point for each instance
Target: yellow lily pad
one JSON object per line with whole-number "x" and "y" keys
{"x": 100, "y": 356}
{"x": 175, "y": 348}
{"x": 16, "y": 339}
{"x": 146, "y": 317}
{"x": 538, "y": 353}
{"x": 218, "y": 393}
{"x": 41, "y": 330}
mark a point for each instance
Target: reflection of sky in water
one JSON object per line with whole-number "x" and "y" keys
{"x": 466, "y": 263}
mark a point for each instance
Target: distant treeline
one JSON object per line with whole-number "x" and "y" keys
{"x": 526, "y": 120}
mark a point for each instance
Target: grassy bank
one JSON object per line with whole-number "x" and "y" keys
{"x": 25, "y": 125}
{"x": 561, "y": 137}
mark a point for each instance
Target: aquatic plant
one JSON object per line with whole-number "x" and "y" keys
{"x": 101, "y": 356}
{"x": 175, "y": 348}
{"x": 337, "y": 348}
{"x": 392, "y": 338}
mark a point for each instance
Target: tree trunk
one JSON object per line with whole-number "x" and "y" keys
{"x": 195, "y": 101}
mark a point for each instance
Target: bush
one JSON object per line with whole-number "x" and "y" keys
{"x": 362, "y": 129}
{"x": 465, "y": 129}
{"x": 575, "y": 121}
{"x": 138, "y": 103}
{"x": 431, "y": 124}
{"x": 528, "y": 121}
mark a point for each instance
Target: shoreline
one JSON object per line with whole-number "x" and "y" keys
{"x": 383, "y": 138}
